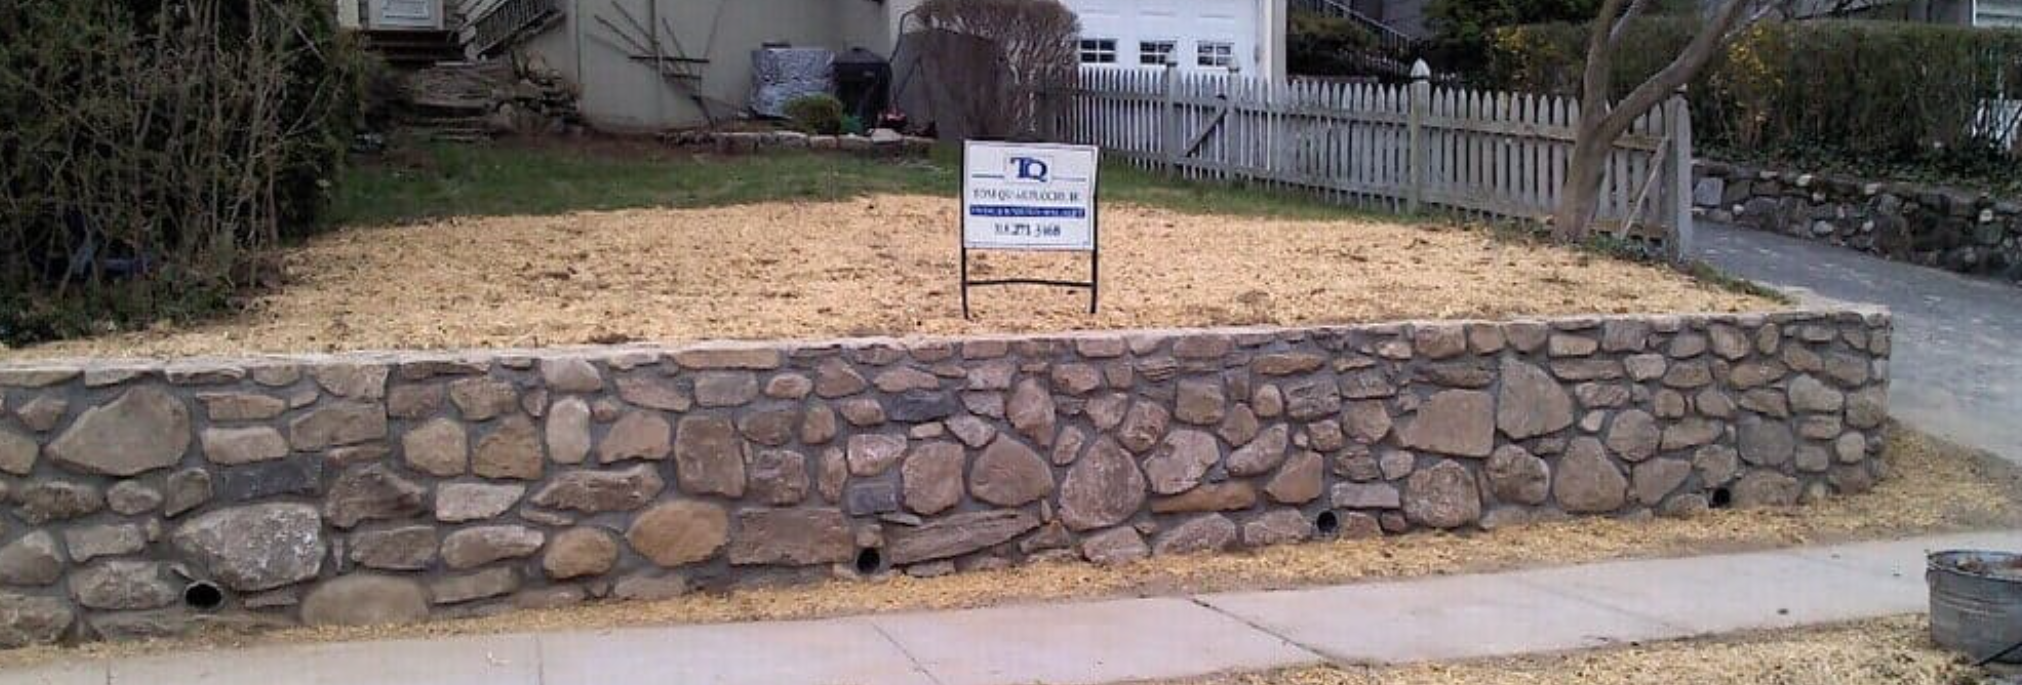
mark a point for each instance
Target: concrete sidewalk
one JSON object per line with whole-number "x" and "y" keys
{"x": 1441, "y": 618}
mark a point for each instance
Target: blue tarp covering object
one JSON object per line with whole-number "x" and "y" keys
{"x": 778, "y": 75}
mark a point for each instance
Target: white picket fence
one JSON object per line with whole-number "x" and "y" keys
{"x": 1486, "y": 154}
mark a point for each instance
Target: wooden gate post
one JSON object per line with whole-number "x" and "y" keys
{"x": 1421, "y": 105}
{"x": 1679, "y": 117}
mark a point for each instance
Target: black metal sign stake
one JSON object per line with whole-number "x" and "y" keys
{"x": 1094, "y": 282}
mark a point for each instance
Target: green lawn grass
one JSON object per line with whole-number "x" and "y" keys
{"x": 436, "y": 180}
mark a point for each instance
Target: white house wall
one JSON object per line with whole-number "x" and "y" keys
{"x": 1254, "y": 27}
{"x": 622, "y": 94}
{"x": 619, "y": 93}
{"x": 2003, "y": 14}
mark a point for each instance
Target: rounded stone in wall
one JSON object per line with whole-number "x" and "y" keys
{"x": 256, "y": 547}
{"x": 31, "y": 560}
{"x": 1515, "y": 476}
{"x": 1587, "y": 482}
{"x": 679, "y": 533}
{"x": 1102, "y": 489}
{"x": 1443, "y": 496}
{"x": 29, "y": 620}
{"x": 364, "y": 599}
{"x": 580, "y": 552}
{"x": 1010, "y": 474}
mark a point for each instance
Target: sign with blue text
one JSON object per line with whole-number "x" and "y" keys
{"x": 1028, "y": 196}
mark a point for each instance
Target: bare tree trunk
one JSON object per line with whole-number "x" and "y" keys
{"x": 1580, "y": 198}
{"x": 1603, "y": 121}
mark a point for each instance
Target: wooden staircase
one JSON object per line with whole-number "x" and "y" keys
{"x": 408, "y": 48}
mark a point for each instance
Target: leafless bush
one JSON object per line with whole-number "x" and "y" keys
{"x": 152, "y": 149}
{"x": 1037, "y": 38}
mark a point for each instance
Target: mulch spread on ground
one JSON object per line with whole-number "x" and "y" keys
{"x": 1890, "y": 651}
{"x": 883, "y": 265}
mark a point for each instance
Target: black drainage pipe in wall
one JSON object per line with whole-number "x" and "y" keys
{"x": 203, "y": 595}
{"x": 1327, "y": 524}
{"x": 870, "y": 561}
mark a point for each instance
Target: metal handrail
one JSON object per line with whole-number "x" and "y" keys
{"x": 1387, "y": 37}
{"x": 503, "y": 21}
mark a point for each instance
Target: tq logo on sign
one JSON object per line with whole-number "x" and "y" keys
{"x": 1032, "y": 169}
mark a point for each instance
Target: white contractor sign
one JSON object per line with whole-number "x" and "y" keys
{"x": 1028, "y": 196}
{"x": 1018, "y": 196}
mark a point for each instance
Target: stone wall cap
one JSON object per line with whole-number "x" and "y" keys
{"x": 630, "y": 355}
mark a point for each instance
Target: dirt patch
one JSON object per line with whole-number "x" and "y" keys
{"x": 1938, "y": 487}
{"x": 1890, "y": 651}
{"x": 886, "y": 265}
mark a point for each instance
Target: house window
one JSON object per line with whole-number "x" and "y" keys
{"x": 1157, "y": 52}
{"x": 1214, "y": 54}
{"x": 1098, "y": 51}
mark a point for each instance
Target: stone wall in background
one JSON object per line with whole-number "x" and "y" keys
{"x": 879, "y": 142}
{"x": 1967, "y": 232}
{"x": 146, "y": 498}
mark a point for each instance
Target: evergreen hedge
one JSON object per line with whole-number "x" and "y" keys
{"x": 1873, "y": 97}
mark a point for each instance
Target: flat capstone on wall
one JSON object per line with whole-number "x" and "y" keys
{"x": 147, "y": 498}
{"x": 1947, "y": 228}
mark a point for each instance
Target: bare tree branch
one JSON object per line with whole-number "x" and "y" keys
{"x": 1635, "y": 10}
{"x": 1595, "y": 81}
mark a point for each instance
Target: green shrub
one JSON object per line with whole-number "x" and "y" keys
{"x": 1883, "y": 97}
{"x": 820, "y": 114}
{"x": 1323, "y": 45}
{"x": 152, "y": 150}
{"x": 1463, "y": 29}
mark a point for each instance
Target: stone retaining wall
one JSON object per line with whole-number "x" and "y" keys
{"x": 882, "y": 142}
{"x": 1966, "y": 232}
{"x": 145, "y": 498}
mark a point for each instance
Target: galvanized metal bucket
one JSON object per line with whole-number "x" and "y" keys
{"x": 1976, "y": 603}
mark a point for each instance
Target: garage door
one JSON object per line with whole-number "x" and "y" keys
{"x": 1194, "y": 34}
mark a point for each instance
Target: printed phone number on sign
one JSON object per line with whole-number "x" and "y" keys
{"x": 1027, "y": 230}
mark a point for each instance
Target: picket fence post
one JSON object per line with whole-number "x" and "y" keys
{"x": 1169, "y": 130}
{"x": 1680, "y": 119}
{"x": 1421, "y": 106}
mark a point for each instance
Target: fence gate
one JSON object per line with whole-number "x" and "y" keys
{"x": 1487, "y": 154}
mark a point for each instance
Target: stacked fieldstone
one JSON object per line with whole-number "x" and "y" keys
{"x": 880, "y": 142}
{"x": 1956, "y": 230}
{"x": 145, "y": 498}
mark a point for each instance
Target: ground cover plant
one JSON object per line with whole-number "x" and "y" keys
{"x": 439, "y": 180}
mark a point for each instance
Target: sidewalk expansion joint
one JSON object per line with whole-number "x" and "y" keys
{"x": 1310, "y": 650}
{"x": 914, "y": 660}
{"x": 540, "y": 660}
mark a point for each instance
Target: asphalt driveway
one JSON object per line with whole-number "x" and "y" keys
{"x": 1956, "y": 369}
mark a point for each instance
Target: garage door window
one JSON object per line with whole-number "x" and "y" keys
{"x": 1214, "y": 54}
{"x": 1098, "y": 51}
{"x": 1158, "y": 52}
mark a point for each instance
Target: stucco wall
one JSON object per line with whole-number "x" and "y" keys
{"x": 145, "y": 498}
